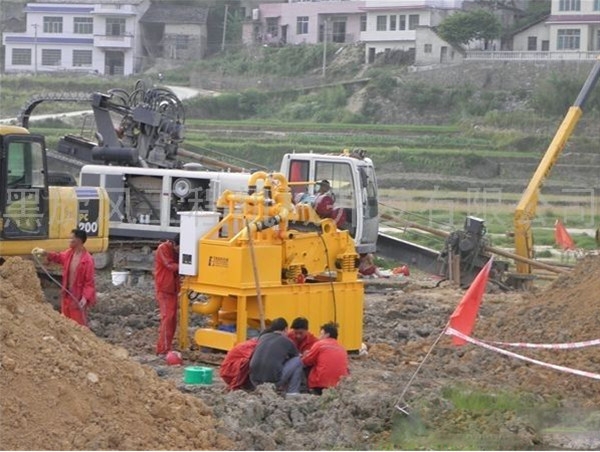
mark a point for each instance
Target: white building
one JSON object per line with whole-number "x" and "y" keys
{"x": 89, "y": 36}
{"x": 574, "y": 25}
{"x": 392, "y": 24}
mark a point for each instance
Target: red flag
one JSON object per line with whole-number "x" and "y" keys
{"x": 562, "y": 237}
{"x": 463, "y": 317}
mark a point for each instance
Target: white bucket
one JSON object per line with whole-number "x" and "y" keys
{"x": 119, "y": 278}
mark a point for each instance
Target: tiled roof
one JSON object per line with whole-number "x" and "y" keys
{"x": 173, "y": 13}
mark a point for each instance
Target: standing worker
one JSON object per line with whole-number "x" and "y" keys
{"x": 78, "y": 286}
{"x": 327, "y": 359}
{"x": 166, "y": 284}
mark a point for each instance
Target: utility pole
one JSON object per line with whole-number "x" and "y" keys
{"x": 225, "y": 26}
{"x": 35, "y": 56}
{"x": 325, "y": 45}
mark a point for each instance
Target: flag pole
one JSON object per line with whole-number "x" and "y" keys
{"x": 403, "y": 408}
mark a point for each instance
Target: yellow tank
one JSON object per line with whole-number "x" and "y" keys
{"x": 307, "y": 269}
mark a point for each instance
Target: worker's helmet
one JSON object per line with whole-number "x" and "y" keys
{"x": 174, "y": 358}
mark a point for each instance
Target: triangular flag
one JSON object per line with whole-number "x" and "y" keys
{"x": 562, "y": 237}
{"x": 463, "y": 317}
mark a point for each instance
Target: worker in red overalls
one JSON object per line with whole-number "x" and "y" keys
{"x": 323, "y": 204}
{"x": 327, "y": 359}
{"x": 166, "y": 284}
{"x": 235, "y": 368}
{"x": 78, "y": 286}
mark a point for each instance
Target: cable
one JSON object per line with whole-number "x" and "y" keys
{"x": 329, "y": 276}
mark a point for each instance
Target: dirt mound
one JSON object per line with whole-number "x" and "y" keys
{"x": 63, "y": 388}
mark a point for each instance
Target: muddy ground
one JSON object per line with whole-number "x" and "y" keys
{"x": 549, "y": 409}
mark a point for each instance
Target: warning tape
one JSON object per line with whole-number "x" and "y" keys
{"x": 562, "y": 346}
{"x": 452, "y": 332}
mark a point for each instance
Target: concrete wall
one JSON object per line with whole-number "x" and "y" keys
{"x": 541, "y": 31}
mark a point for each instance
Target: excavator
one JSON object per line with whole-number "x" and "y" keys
{"x": 34, "y": 214}
{"x": 527, "y": 206}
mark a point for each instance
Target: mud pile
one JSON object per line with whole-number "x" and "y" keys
{"x": 401, "y": 328}
{"x": 346, "y": 417}
{"x": 63, "y": 388}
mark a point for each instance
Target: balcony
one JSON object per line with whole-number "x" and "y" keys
{"x": 509, "y": 55}
{"x": 113, "y": 41}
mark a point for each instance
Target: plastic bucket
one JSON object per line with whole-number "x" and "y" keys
{"x": 197, "y": 375}
{"x": 119, "y": 278}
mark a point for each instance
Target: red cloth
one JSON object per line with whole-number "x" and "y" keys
{"x": 463, "y": 317}
{"x": 167, "y": 304}
{"x": 329, "y": 362}
{"x": 305, "y": 344}
{"x": 166, "y": 267}
{"x": 235, "y": 369}
{"x": 562, "y": 237}
{"x": 83, "y": 286}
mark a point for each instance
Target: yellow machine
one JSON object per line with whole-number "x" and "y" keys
{"x": 32, "y": 214}
{"x": 526, "y": 209}
{"x": 269, "y": 258}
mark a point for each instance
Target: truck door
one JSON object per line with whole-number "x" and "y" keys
{"x": 24, "y": 187}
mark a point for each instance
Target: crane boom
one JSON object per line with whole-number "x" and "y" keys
{"x": 526, "y": 209}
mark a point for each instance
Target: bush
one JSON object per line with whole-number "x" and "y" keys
{"x": 557, "y": 93}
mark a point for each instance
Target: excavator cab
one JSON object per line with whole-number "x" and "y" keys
{"x": 24, "y": 185}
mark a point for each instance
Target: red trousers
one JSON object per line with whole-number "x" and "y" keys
{"x": 167, "y": 304}
{"x": 71, "y": 310}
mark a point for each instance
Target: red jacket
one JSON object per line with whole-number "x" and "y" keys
{"x": 235, "y": 368}
{"x": 329, "y": 362}
{"x": 305, "y": 344}
{"x": 84, "y": 285}
{"x": 166, "y": 266}
{"x": 324, "y": 207}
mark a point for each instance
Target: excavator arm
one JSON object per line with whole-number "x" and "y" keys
{"x": 526, "y": 209}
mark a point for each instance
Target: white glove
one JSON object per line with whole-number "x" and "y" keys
{"x": 38, "y": 251}
{"x": 82, "y": 303}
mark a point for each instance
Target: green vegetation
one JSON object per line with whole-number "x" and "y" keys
{"x": 464, "y": 26}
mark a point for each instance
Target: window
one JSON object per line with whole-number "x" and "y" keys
{"x": 596, "y": 5}
{"x": 568, "y": 39}
{"x": 51, "y": 57}
{"x": 272, "y": 26}
{"x": 302, "y": 25}
{"x": 21, "y": 57}
{"x": 363, "y": 22}
{"x": 427, "y": 48}
{"x": 545, "y": 45}
{"x": 381, "y": 23}
{"x": 82, "y": 58}
{"x": 393, "y": 22}
{"x": 53, "y": 24}
{"x": 402, "y": 22}
{"x": 413, "y": 21}
{"x": 532, "y": 43}
{"x": 569, "y": 5}
{"x": 182, "y": 42}
{"x": 25, "y": 164}
{"x": 115, "y": 26}
{"x": 83, "y": 25}
{"x": 342, "y": 187}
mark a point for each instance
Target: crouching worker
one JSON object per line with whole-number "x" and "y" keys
{"x": 327, "y": 359}
{"x": 235, "y": 369}
{"x": 275, "y": 359}
{"x": 300, "y": 336}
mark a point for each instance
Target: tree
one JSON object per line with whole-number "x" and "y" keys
{"x": 464, "y": 26}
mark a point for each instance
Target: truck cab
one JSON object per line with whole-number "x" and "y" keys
{"x": 354, "y": 186}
